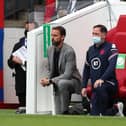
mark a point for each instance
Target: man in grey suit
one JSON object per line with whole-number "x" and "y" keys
{"x": 63, "y": 73}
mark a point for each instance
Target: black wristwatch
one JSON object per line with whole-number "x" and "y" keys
{"x": 51, "y": 82}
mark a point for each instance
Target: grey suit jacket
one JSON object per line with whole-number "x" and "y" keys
{"x": 67, "y": 64}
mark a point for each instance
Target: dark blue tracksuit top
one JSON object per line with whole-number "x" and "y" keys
{"x": 100, "y": 64}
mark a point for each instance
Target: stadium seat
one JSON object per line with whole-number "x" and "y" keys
{"x": 117, "y": 35}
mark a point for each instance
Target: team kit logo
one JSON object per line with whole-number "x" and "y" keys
{"x": 95, "y": 63}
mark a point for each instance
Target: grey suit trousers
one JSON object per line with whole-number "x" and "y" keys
{"x": 63, "y": 91}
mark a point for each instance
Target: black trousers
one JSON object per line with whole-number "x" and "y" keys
{"x": 22, "y": 99}
{"x": 102, "y": 100}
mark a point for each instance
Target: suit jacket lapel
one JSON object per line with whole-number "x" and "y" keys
{"x": 51, "y": 59}
{"x": 61, "y": 55}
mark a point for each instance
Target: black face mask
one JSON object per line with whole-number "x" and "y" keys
{"x": 25, "y": 33}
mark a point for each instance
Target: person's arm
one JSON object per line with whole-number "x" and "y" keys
{"x": 86, "y": 76}
{"x": 46, "y": 81}
{"x": 112, "y": 64}
{"x": 86, "y": 72}
{"x": 10, "y": 61}
{"x": 15, "y": 60}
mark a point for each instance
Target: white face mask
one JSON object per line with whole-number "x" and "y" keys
{"x": 96, "y": 39}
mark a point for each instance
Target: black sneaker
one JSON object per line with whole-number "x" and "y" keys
{"x": 66, "y": 113}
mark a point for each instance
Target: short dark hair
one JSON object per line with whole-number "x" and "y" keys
{"x": 103, "y": 29}
{"x": 35, "y": 23}
{"x": 61, "y": 29}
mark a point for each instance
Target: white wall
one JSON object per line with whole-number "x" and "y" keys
{"x": 11, "y": 36}
{"x": 117, "y": 8}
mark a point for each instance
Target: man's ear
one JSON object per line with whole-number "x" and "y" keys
{"x": 62, "y": 37}
{"x": 104, "y": 35}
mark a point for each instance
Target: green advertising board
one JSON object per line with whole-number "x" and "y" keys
{"x": 121, "y": 61}
{"x": 46, "y": 38}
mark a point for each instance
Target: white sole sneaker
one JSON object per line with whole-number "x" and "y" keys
{"x": 120, "y": 109}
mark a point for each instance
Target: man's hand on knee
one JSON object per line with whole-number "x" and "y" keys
{"x": 98, "y": 83}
